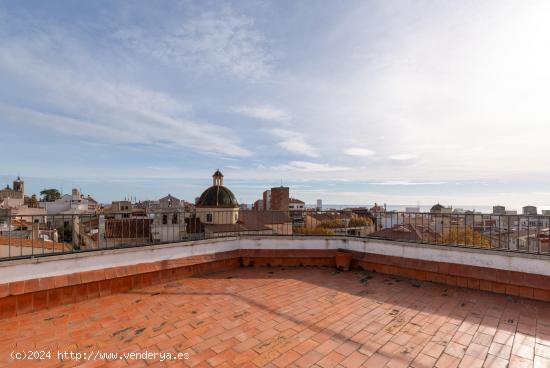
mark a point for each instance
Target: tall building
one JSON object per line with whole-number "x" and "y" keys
{"x": 319, "y": 204}
{"x": 529, "y": 210}
{"x": 275, "y": 199}
{"x": 266, "y": 200}
{"x": 499, "y": 210}
{"x": 279, "y": 199}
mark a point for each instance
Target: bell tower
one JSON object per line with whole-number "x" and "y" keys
{"x": 19, "y": 185}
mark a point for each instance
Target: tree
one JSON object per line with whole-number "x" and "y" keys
{"x": 467, "y": 237}
{"x": 50, "y": 195}
{"x": 332, "y": 224}
{"x": 360, "y": 222}
{"x": 31, "y": 201}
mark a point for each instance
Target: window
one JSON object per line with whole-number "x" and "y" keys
{"x": 174, "y": 219}
{"x": 164, "y": 219}
{"x": 208, "y": 217}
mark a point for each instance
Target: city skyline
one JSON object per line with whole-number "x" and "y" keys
{"x": 427, "y": 104}
{"x": 247, "y": 191}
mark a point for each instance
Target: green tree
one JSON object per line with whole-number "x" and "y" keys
{"x": 31, "y": 201}
{"x": 50, "y": 195}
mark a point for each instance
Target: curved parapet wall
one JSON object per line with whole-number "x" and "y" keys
{"x": 35, "y": 284}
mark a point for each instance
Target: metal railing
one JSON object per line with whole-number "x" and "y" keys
{"x": 28, "y": 236}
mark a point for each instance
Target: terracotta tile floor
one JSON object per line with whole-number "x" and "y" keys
{"x": 294, "y": 317}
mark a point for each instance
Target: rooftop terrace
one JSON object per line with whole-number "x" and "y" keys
{"x": 292, "y": 316}
{"x": 424, "y": 290}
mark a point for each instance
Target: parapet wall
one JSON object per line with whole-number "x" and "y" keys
{"x": 35, "y": 284}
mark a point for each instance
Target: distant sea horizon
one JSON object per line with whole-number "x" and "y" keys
{"x": 423, "y": 208}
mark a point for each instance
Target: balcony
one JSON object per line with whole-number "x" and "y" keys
{"x": 424, "y": 290}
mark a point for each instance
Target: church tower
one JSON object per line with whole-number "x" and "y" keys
{"x": 19, "y": 185}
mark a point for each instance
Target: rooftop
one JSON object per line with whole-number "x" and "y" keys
{"x": 296, "y": 317}
{"x": 457, "y": 293}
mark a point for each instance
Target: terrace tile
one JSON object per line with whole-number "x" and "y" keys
{"x": 290, "y": 317}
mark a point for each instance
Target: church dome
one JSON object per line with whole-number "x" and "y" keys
{"x": 217, "y": 196}
{"x": 436, "y": 207}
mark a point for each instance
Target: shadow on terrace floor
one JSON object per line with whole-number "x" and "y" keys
{"x": 341, "y": 305}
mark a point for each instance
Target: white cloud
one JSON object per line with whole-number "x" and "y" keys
{"x": 482, "y": 71}
{"x": 309, "y": 167}
{"x": 294, "y": 142}
{"x": 264, "y": 113}
{"x": 358, "y": 151}
{"x": 105, "y": 110}
{"x": 402, "y": 157}
{"x": 210, "y": 42}
{"x": 81, "y": 103}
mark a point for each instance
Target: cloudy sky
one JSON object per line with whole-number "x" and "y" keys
{"x": 353, "y": 102}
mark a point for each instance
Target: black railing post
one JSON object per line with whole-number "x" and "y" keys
{"x": 21, "y": 236}
{"x": 32, "y": 236}
{"x": 9, "y": 235}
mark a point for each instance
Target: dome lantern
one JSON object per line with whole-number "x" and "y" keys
{"x": 217, "y": 178}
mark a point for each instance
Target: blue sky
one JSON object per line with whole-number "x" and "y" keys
{"x": 353, "y": 102}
